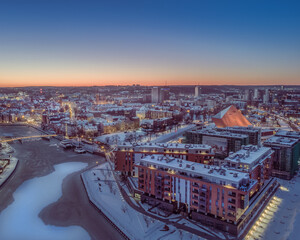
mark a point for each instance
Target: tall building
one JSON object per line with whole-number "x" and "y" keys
{"x": 164, "y": 94}
{"x": 286, "y": 157}
{"x": 222, "y": 142}
{"x": 217, "y": 196}
{"x": 247, "y": 95}
{"x": 256, "y": 94}
{"x": 230, "y": 117}
{"x": 197, "y": 91}
{"x": 155, "y": 95}
{"x": 127, "y": 154}
{"x": 255, "y": 160}
{"x": 289, "y": 134}
{"x": 266, "y": 98}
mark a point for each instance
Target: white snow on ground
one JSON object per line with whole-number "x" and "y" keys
{"x": 284, "y": 125}
{"x": 174, "y": 134}
{"x": 281, "y": 218}
{"x": 104, "y": 193}
{"x": 8, "y": 170}
{"x": 117, "y": 138}
{"x": 195, "y": 225}
{"x": 20, "y": 219}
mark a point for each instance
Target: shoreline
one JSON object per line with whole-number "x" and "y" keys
{"x": 9, "y": 170}
{"x": 74, "y": 208}
{"x": 36, "y": 159}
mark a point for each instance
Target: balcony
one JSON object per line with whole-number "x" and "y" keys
{"x": 232, "y": 201}
{"x": 202, "y": 194}
{"x": 202, "y": 208}
{"x": 232, "y": 194}
{"x": 195, "y": 185}
{"x": 195, "y": 197}
{"x": 195, "y": 191}
{"x": 231, "y": 208}
{"x": 167, "y": 177}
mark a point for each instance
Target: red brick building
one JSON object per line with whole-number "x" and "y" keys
{"x": 127, "y": 154}
{"x": 255, "y": 160}
{"x": 224, "y": 197}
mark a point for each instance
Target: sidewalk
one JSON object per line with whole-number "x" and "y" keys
{"x": 105, "y": 192}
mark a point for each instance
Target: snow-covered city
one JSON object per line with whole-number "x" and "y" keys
{"x": 149, "y": 120}
{"x": 192, "y": 166}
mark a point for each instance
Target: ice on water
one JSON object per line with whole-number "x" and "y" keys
{"x": 20, "y": 219}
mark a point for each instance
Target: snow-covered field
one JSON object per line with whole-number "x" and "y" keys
{"x": 104, "y": 193}
{"x": 281, "y": 218}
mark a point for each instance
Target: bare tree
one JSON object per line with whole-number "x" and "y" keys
{"x": 180, "y": 233}
{"x": 110, "y": 186}
{"x": 147, "y": 220}
{"x": 124, "y": 208}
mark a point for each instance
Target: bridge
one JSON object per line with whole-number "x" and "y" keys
{"x": 26, "y": 137}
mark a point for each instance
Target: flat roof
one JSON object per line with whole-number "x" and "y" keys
{"x": 213, "y": 132}
{"x": 246, "y": 129}
{"x": 291, "y": 134}
{"x": 208, "y": 172}
{"x": 249, "y": 154}
{"x": 165, "y": 145}
{"x": 283, "y": 141}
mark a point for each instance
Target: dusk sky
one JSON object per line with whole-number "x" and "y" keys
{"x": 83, "y": 43}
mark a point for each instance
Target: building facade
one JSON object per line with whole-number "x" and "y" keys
{"x": 255, "y": 160}
{"x": 155, "y": 95}
{"x": 222, "y": 142}
{"x": 127, "y": 154}
{"x": 254, "y": 134}
{"x": 286, "y": 156}
{"x": 217, "y": 196}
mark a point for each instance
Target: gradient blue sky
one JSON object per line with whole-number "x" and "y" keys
{"x": 149, "y": 42}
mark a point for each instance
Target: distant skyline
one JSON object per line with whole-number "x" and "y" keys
{"x": 87, "y": 43}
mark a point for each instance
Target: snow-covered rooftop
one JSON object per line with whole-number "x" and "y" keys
{"x": 219, "y": 175}
{"x": 282, "y": 141}
{"x": 177, "y": 146}
{"x": 213, "y": 132}
{"x": 250, "y": 155}
{"x": 292, "y": 134}
{"x": 222, "y": 113}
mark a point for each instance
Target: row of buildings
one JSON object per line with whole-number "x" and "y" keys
{"x": 224, "y": 191}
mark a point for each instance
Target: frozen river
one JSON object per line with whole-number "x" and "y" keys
{"x": 20, "y": 219}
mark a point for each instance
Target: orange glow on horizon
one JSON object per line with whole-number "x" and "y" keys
{"x": 82, "y": 81}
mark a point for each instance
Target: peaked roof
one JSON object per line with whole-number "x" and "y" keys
{"x": 230, "y": 117}
{"x": 222, "y": 113}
